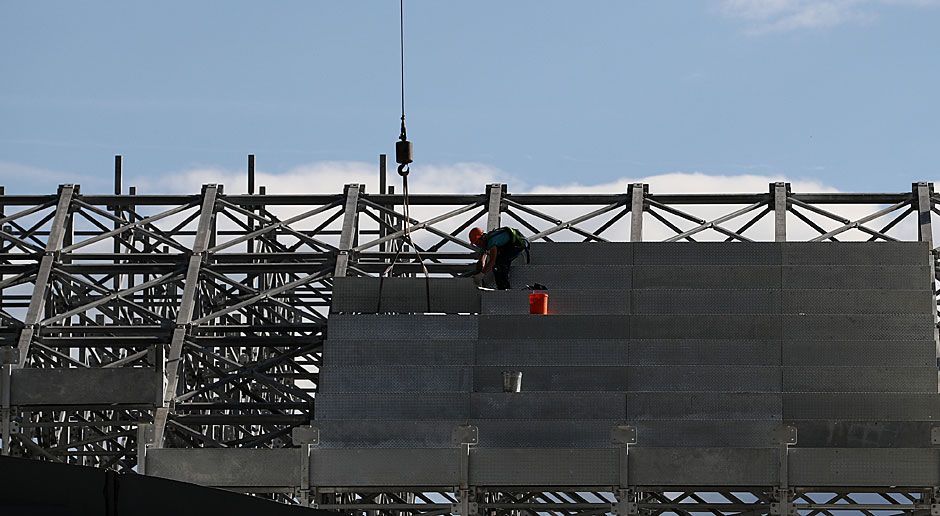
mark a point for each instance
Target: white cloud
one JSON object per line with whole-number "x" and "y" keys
{"x": 765, "y": 16}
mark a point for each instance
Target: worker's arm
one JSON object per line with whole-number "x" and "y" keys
{"x": 487, "y": 260}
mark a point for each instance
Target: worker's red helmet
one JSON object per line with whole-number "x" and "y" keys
{"x": 476, "y": 236}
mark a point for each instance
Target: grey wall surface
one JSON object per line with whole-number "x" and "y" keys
{"x": 705, "y": 348}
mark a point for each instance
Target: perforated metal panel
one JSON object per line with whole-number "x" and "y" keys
{"x": 561, "y": 301}
{"x": 553, "y": 433}
{"x": 705, "y": 326}
{"x": 707, "y": 253}
{"x": 857, "y": 326}
{"x": 860, "y": 352}
{"x": 402, "y": 327}
{"x": 706, "y": 276}
{"x": 555, "y": 378}
{"x": 390, "y": 467}
{"x": 705, "y": 301}
{"x": 859, "y": 379}
{"x": 388, "y": 433}
{"x": 548, "y": 405}
{"x": 85, "y": 386}
{"x": 393, "y": 406}
{"x": 227, "y": 467}
{"x": 707, "y": 433}
{"x": 703, "y": 466}
{"x": 396, "y": 379}
{"x": 576, "y": 253}
{"x": 855, "y": 253}
{"x": 447, "y": 295}
{"x": 704, "y": 352}
{"x": 575, "y": 277}
{"x": 846, "y": 301}
{"x": 554, "y": 326}
{"x": 337, "y": 353}
{"x": 737, "y": 378}
{"x": 552, "y": 351}
{"x": 918, "y": 467}
{"x": 863, "y": 434}
{"x": 894, "y": 277}
{"x": 862, "y": 406}
{"x": 703, "y": 405}
{"x": 536, "y": 467}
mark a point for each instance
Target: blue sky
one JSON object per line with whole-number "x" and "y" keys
{"x": 841, "y": 93}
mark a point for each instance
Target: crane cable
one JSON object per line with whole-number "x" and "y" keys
{"x": 403, "y": 155}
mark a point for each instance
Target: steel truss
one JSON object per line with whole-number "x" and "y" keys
{"x": 214, "y": 306}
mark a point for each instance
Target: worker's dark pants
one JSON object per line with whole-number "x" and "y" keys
{"x": 501, "y": 267}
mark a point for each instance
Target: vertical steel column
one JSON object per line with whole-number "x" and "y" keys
{"x": 779, "y": 193}
{"x": 7, "y": 359}
{"x": 37, "y": 302}
{"x": 922, "y": 199}
{"x": 187, "y": 305}
{"x": 637, "y": 192}
{"x": 383, "y": 187}
{"x": 494, "y": 193}
{"x": 350, "y": 223}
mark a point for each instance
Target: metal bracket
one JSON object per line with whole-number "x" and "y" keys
{"x": 305, "y": 434}
{"x": 785, "y": 434}
{"x": 623, "y": 434}
{"x": 9, "y": 355}
{"x": 935, "y": 435}
{"x": 466, "y": 434}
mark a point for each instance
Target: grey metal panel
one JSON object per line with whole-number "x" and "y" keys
{"x": 551, "y": 351}
{"x": 577, "y": 277}
{"x": 860, "y": 352}
{"x": 227, "y": 467}
{"x": 736, "y": 378}
{"x": 705, "y": 301}
{"x": 857, "y": 326}
{"x": 863, "y": 434}
{"x": 859, "y": 379}
{"x": 560, "y": 301}
{"x": 910, "y": 467}
{"x": 555, "y": 378}
{"x": 856, "y": 253}
{"x": 85, "y": 386}
{"x": 706, "y": 276}
{"x": 894, "y": 277}
{"x": 445, "y": 405}
{"x": 397, "y": 352}
{"x": 540, "y": 467}
{"x": 448, "y": 295}
{"x": 706, "y": 253}
{"x": 419, "y": 327}
{"x": 377, "y": 467}
{"x": 704, "y": 352}
{"x": 554, "y": 326}
{"x": 707, "y": 433}
{"x": 705, "y": 326}
{"x": 858, "y": 301}
{"x": 703, "y": 466}
{"x": 548, "y": 405}
{"x": 535, "y": 433}
{"x": 703, "y": 405}
{"x": 580, "y": 253}
{"x": 862, "y": 406}
{"x": 396, "y": 379}
{"x": 387, "y": 433}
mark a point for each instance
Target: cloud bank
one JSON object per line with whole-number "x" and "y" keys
{"x": 765, "y": 16}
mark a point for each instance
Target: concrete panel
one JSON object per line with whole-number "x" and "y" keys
{"x": 554, "y": 326}
{"x": 387, "y": 433}
{"x": 863, "y": 434}
{"x": 855, "y": 253}
{"x": 448, "y": 295}
{"x": 917, "y": 353}
{"x": 859, "y": 379}
{"x": 857, "y": 301}
{"x": 227, "y": 467}
{"x": 703, "y": 466}
{"x": 579, "y": 253}
{"x": 392, "y": 406}
{"x": 85, "y": 386}
{"x": 554, "y": 378}
{"x": 401, "y": 327}
{"x": 856, "y": 326}
{"x": 706, "y": 253}
{"x": 376, "y": 468}
{"x": 540, "y": 467}
{"x": 560, "y": 301}
{"x": 703, "y": 405}
{"x": 894, "y": 277}
{"x": 706, "y": 276}
{"x": 396, "y": 379}
{"x": 704, "y": 352}
{"x": 705, "y": 326}
{"x": 705, "y": 301}
{"x": 835, "y": 467}
{"x": 862, "y": 406}
{"x": 737, "y": 378}
{"x": 548, "y": 405}
{"x": 575, "y": 277}
{"x": 504, "y": 351}
{"x": 340, "y": 353}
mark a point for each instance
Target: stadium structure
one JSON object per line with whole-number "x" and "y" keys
{"x": 771, "y": 352}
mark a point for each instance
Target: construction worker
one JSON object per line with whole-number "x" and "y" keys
{"x": 500, "y": 247}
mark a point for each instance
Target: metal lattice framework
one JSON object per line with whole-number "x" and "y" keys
{"x": 197, "y": 321}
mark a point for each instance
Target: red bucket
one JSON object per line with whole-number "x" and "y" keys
{"x": 538, "y": 303}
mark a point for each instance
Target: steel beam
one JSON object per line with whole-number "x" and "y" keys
{"x": 350, "y": 227}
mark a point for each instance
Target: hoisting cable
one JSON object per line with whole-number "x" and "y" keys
{"x": 403, "y": 156}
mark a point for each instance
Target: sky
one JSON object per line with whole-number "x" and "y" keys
{"x": 704, "y": 95}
